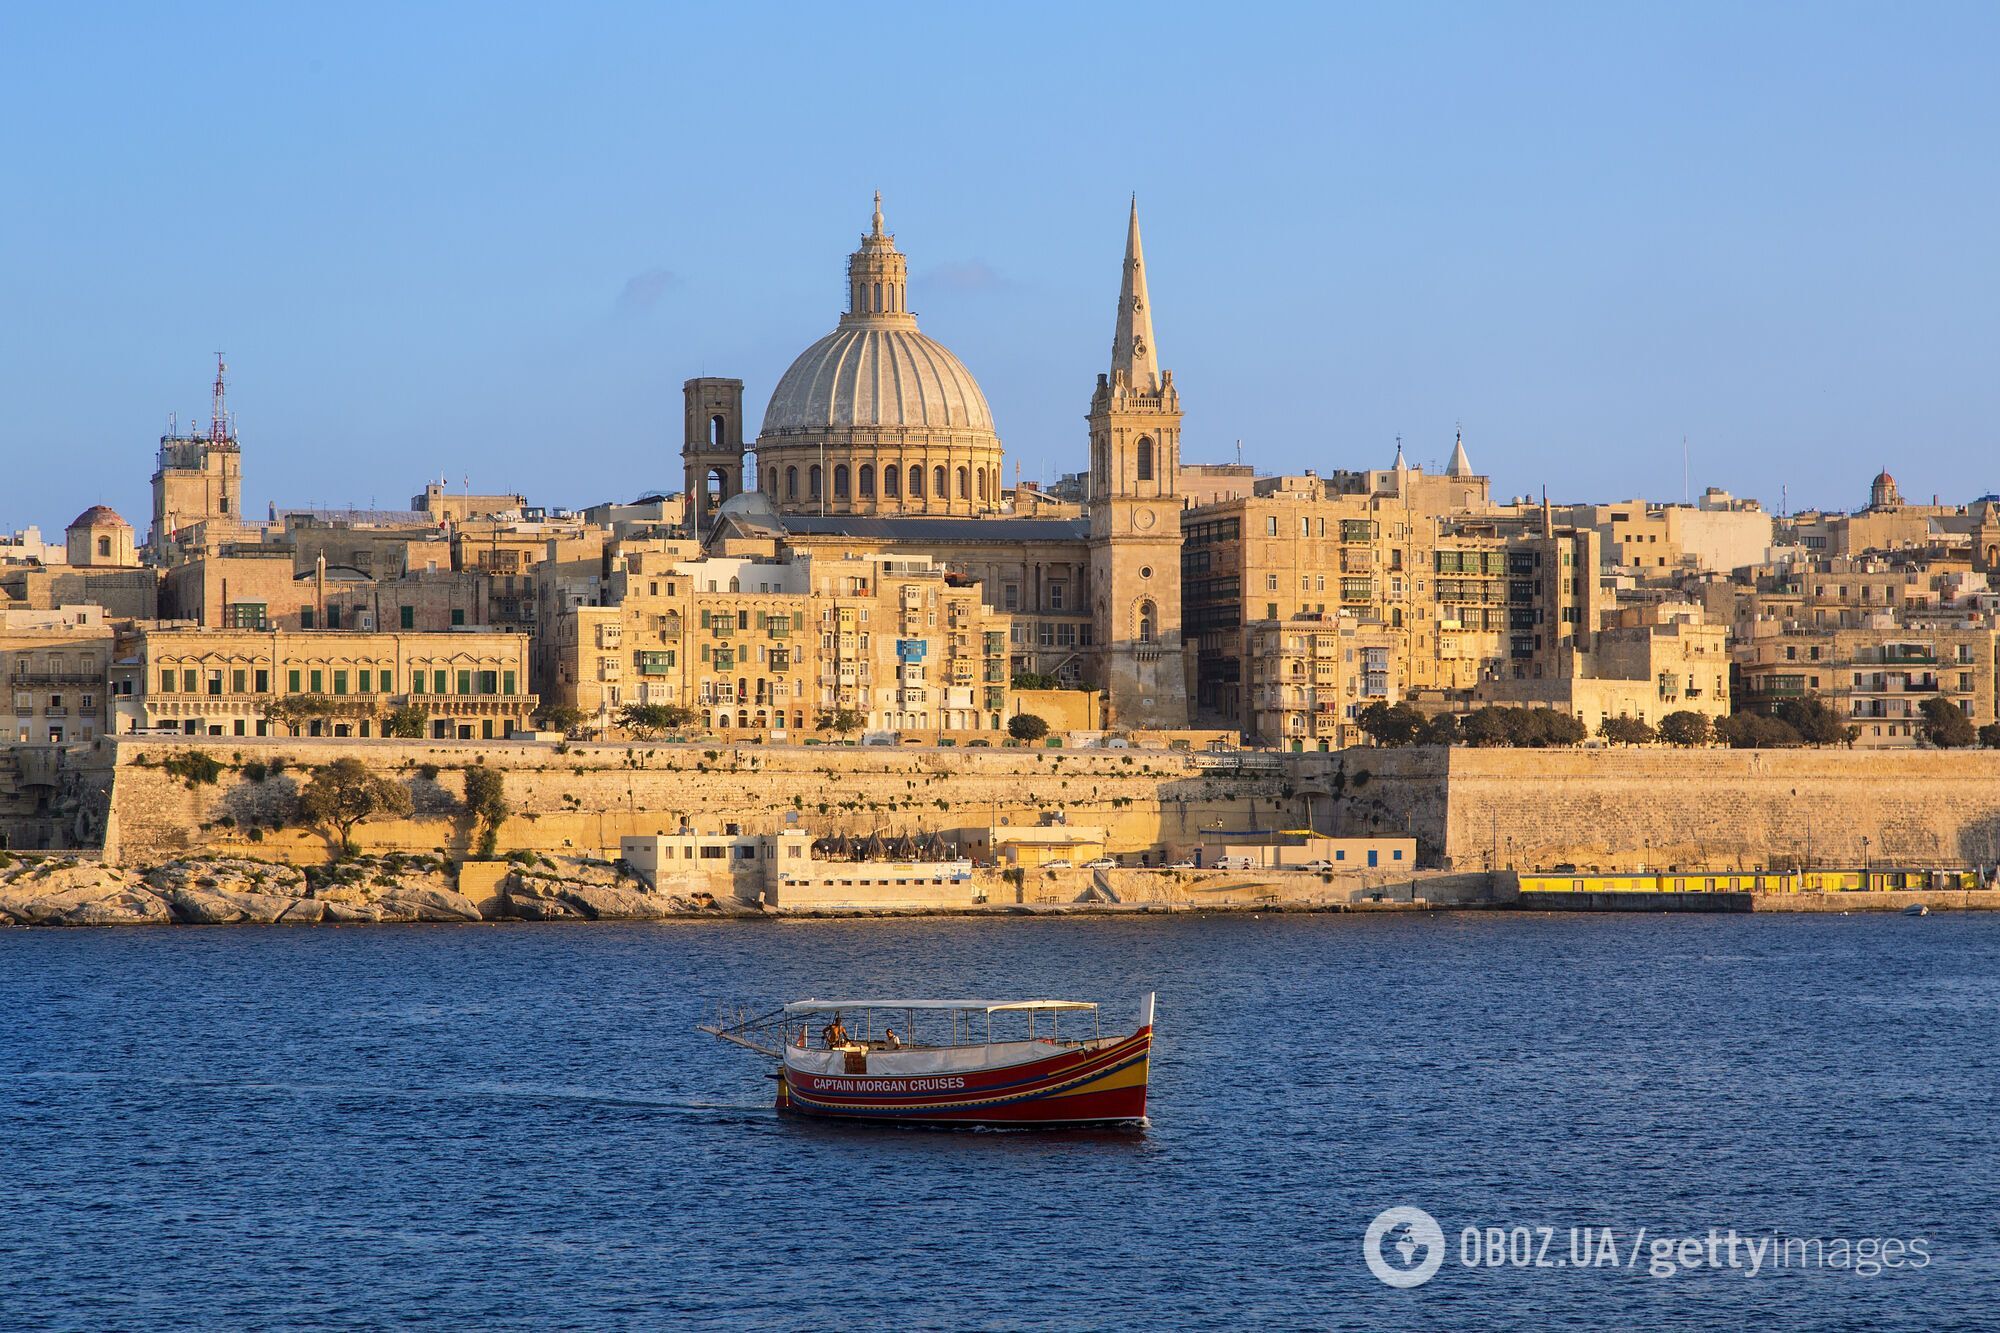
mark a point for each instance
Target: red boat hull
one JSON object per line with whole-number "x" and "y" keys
{"x": 1071, "y": 1088}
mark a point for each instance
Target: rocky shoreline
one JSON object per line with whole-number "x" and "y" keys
{"x": 54, "y": 891}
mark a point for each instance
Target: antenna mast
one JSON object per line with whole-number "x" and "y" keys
{"x": 218, "y": 416}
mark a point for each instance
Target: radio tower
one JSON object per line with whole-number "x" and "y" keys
{"x": 218, "y": 416}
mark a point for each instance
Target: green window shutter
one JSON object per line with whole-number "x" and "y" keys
{"x": 187, "y": 681}
{"x": 465, "y": 682}
{"x": 236, "y": 681}
{"x": 437, "y": 682}
{"x": 388, "y": 681}
{"x": 305, "y": 617}
{"x": 366, "y": 685}
{"x": 292, "y": 682}
{"x": 458, "y": 615}
{"x": 318, "y": 682}
{"x": 407, "y": 617}
{"x": 340, "y": 682}
{"x": 263, "y": 684}
{"x": 506, "y": 682}
{"x": 488, "y": 682}
{"x": 167, "y": 679}
{"x": 416, "y": 682}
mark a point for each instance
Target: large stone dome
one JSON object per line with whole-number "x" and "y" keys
{"x": 860, "y": 375}
{"x": 875, "y": 417}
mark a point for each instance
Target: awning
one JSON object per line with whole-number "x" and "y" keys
{"x": 976, "y": 1006}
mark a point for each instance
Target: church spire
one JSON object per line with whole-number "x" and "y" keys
{"x": 1460, "y": 465}
{"x": 1132, "y": 351}
{"x": 878, "y": 278}
{"x": 878, "y": 215}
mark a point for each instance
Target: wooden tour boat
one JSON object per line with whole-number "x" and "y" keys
{"x": 1019, "y": 1064}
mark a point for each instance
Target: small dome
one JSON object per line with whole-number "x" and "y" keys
{"x": 99, "y": 516}
{"x": 750, "y": 503}
{"x": 1885, "y": 480}
{"x": 891, "y": 377}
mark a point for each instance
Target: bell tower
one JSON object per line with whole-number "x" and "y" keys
{"x": 1135, "y": 519}
{"x": 713, "y": 450}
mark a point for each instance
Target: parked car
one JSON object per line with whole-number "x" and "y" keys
{"x": 1101, "y": 863}
{"x": 1183, "y": 865}
{"x": 1060, "y": 863}
{"x": 1320, "y": 867}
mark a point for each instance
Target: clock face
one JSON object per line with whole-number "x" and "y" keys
{"x": 1142, "y": 519}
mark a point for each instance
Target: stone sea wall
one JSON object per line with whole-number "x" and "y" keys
{"x": 1626, "y": 808}
{"x": 581, "y": 801}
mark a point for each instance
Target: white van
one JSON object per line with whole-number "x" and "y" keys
{"x": 1235, "y": 863}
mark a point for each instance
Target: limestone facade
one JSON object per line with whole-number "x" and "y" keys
{"x": 470, "y": 685}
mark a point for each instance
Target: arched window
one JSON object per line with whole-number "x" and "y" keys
{"x": 736, "y": 585}
{"x": 867, "y": 479}
{"x": 717, "y": 430}
{"x": 1145, "y": 459}
{"x": 813, "y": 482}
{"x": 772, "y": 489}
{"x": 718, "y": 485}
{"x": 892, "y": 480}
{"x": 980, "y": 477}
{"x": 916, "y": 482}
{"x": 791, "y": 483}
{"x": 878, "y": 296}
{"x": 840, "y": 481}
{"x": 104, "y": 546}
{"x": 1148, "y": 618}
{"x": 940, "y": 483}
{"x": 964, "y": 485}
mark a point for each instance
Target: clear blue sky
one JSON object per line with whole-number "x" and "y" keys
{"x": 443, "y": 238}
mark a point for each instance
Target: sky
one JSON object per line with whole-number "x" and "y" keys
{"x": 489, "y": 242}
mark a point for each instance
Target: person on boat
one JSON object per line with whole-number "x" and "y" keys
{"x": 891, "y": 1040}
{"x": 836, "y": 1032}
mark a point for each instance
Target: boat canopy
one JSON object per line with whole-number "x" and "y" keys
{"x": 974, "y": 1006}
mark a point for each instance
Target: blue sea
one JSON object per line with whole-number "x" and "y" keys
{"x": 516, "y": 1127}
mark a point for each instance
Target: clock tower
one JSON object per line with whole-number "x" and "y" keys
{"x": 1135, "y": 517}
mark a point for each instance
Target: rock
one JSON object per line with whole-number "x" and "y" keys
{"x": 601, "y": 903}
{"x": 229, "y": 875}
{"x": 527, "y": 905}
{"x": 340, "y": 913}
{"x": 415, "y": 904}
{"x": 221, "y": 907}
{"x": 85, "y": 894}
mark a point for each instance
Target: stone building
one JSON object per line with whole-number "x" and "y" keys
{"x": 1877, "y": 678}
{"x": 197, "y": 486}
{"x": 100, "y": 539}
{"x": 219, "y": 682}
{"x": 54, "y": 671}
{"x": 762, "y": 647}
{"x": 1641, "y": 671}
{"x": 1307, "y": 678}
{"x": 878, "y": 442}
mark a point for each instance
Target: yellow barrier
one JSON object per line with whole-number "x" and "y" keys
{"x": 1749, "y": 881}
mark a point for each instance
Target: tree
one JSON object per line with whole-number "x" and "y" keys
{"x": 1034, "y": 680}
{"x": 648, "y": 720}
{"x": 1485, "y": 726}
{"x": 1026, "y": 727}
{"x": 1440, "y": 730}
{"x": 1754, "y": 731}
{"x": 1946, "y": 725}
{"x": 406, "y": 723}
{"x": 1989, "y": 735}
{"x": 1814, "y": 721}
{"x": 840, "y": 721}
{"x": 1627, "y": 731}
{"x": 1541, "y": 727}
{"x": 293, "y": 711}
{"x": 344, "y": 793}
{"x": 561, "y": 717}
{"x": 1390, "y": 724}
{"x": 486, "y": 802}
{"x": 1686, "y": 727}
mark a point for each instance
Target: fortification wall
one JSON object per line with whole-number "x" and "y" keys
{"x": 583, "y": 801}
{"x": 1625, "y": 808}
